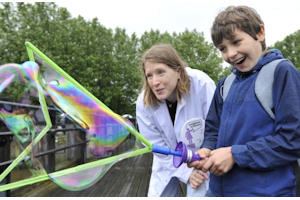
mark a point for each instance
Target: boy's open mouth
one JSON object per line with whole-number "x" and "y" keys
{"x": 240, "y": 61}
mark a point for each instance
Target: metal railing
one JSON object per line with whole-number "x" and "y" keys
{"x": 49, "y": 155}
{"x": 6, "y": 138}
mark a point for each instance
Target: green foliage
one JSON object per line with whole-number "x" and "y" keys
{"x": 198, "y": 53}
{"x": 104, "y": 61}
{"x": 290, "y": 48}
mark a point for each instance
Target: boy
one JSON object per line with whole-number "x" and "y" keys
{"x": 246, "y": 151}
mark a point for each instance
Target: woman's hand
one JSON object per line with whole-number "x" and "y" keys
{"x": 197, "y": 177}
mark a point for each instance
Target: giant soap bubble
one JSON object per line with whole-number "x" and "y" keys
{"x": 28, "y": 92}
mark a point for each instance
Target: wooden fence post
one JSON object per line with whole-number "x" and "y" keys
{"x": 5, "y": 156}
{"x": 83, "y": 152}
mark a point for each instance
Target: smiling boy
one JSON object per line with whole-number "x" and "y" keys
{"x": 246, "y": 151}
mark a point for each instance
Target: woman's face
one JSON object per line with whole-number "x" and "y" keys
{"x": 162, "y": 80}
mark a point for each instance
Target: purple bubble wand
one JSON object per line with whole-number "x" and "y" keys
{"x": 180, "y": 155}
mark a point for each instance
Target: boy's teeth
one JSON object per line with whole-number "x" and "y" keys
{"x": 240, "y": 60}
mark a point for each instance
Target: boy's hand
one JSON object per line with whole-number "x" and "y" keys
{"x": 197, "y": 178}
{"x": 219, "y": 162}
{"x": 203, "y": 153}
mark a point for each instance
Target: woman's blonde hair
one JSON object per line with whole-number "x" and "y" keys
{"x": 165, "y": 54}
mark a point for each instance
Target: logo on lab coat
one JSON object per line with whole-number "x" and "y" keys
{"x": 192, "y": 133}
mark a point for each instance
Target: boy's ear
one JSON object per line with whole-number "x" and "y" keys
{"x": 261, "y": 34}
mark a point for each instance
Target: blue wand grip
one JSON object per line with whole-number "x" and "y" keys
{"x": 164, "y": 150}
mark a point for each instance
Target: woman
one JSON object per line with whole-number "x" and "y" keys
{"x": 174, "y": 101}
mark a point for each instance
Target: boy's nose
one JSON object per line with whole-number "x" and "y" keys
{"x": 231, "y": 52}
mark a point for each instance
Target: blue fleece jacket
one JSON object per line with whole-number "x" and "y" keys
{"x": 263, "y": 149}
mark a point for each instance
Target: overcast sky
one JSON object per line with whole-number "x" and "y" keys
{"x": 281, "y": 18}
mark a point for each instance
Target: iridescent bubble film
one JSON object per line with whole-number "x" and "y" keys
{"x": 18, "y": 123}
{"x": 16, "y": 90}
{"x": 78, "y": 121}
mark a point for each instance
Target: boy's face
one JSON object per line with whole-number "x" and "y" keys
{"x": 243, "y": 51}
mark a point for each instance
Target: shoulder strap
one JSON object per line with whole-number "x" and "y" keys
{"x": 264, "y": 86}
{"x": 227, "y": 85}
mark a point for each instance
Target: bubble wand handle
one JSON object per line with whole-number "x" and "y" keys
{"x": 180, "y": 155}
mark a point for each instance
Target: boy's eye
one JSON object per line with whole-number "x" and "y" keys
{"x": 222, "y": 49}
{"x": 236, "y": 41}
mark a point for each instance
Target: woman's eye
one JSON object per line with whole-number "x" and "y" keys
{"x": 149, "y": 76}
{"x": 160, "y": 72}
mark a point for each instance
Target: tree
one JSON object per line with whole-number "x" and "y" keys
{"x": 20, "y": 22}
{"x": 123, "y": 80}
{"x": 106, "y": 62}
{"x": 198, "y": 53}
{"x": 290, "y": 48}
{"x": 92, "y": 54}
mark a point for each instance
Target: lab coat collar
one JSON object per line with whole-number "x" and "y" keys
{"x": 164, "y": 120}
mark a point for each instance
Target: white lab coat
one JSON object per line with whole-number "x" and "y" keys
{"x": 156, "y": 125}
